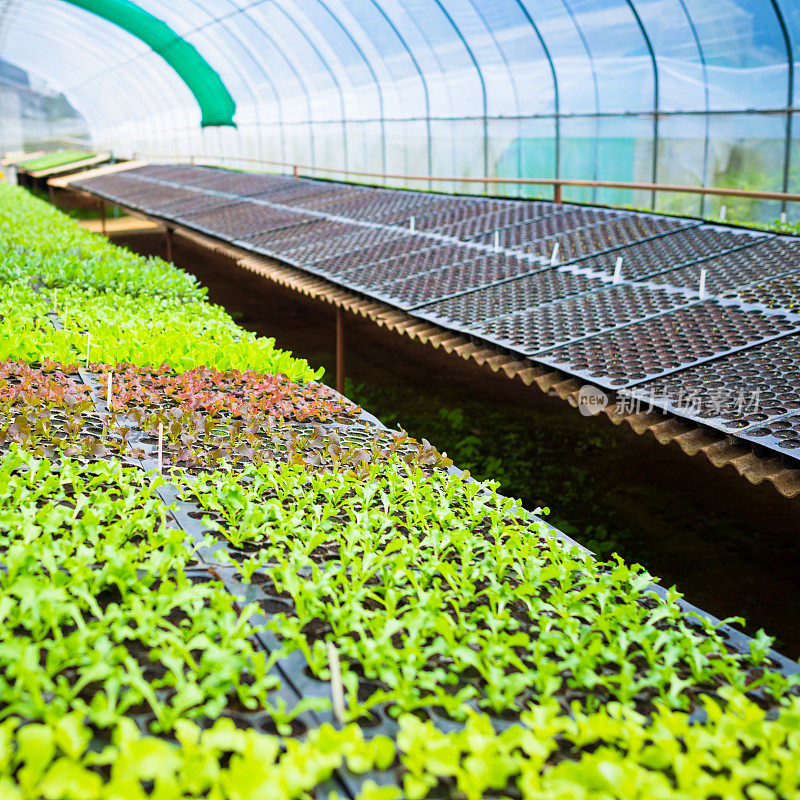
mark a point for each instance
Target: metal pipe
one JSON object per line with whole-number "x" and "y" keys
{"x": 555, "y": 183}
{"x": 339, "y": 350}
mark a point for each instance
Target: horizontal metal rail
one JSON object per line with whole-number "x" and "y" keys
{"x": 557, "y": 184}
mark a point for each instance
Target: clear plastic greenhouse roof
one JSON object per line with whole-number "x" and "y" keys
{"x": 669, "y": 91}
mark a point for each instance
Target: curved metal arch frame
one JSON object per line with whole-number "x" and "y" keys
{"x": 300, "y": 80}
{"x": 278, "y": 5}
{"x": 656, "y": 96}
{"x": 217, "y": 106}
{"x": 704, "y": 66}
{"x": 69, "y": 90}
{"x": 254, "y": 61}
{"x": 132, "y": 85}
{"x": 481, "y": 79}
{"x": 423, "y": 81}
{"x": 242, "y": 48}
{"x": 595, "y": 85}
{"x": 234, "y": 63}
{"x": 368, "y": 64}
{"x": 787, "y": 40}
{"x": 434, "y": 55}
{"x": 504, "y": 58}
{"x": 556, "y": 93}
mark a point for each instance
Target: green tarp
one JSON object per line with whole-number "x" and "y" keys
{"x": 216, "y": 104}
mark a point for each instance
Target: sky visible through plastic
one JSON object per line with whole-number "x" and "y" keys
{"x": 669, "y": 91}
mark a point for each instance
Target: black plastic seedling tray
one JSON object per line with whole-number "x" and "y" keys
{"x": 779, "y": 292}
{"x": 683, "y": 247}
{"x": 766, "y": 258}
{"x": 552, "y": 324}
{"x": 482, "y": 267}
{"x": 744, "y": 390}
{"x": 667, "y": 343}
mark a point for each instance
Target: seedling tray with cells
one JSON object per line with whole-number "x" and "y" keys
{"x": 401, "y": 252}
{"x": 422, "y": 287}
{"x": 667, "y": 343}
{"x": 118, "y": 623}
{"x": 573, "y": 318}
{"x": 782, "y": 292}
{"x": 403, "y": 264}
{"x": 744, "y": 390}
{"x": 411, "y": 592}
{"x": 48, "y": 410}
{"x": 598, "y": 237}
{"x": 238, "y": 183}
{"x": 447, "y": 211}
{"x": 681, "y": 248}
{"x": 465, "y": 275}
{"x": 509, "y": 297}
{"x": 767, "y": 258}
{"x": 286, "y": 239}
{"x": 128, "y": 191}
{"x": 241, "y": 220}
{"x": 781, "y": 434}
{"x": 356, "y": 238}
{"x": 195, "y": 203}
{"x": 386, "y": 207}
{"x": 163, "y": 197}
{"x": 296, "y": 192}
{"x": 336, "y": 201}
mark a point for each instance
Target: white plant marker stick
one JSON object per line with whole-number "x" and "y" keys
{"x": 88, "y": 347}
{"x": 783, "y": 217}
{"x": 337, "y": 689}
{"x": 618, "y": 270}
{"x": 108, "y": 396}
{"x": 497, "y": 240}
{"x": 723, "y": 212}
{"x": 160, "y": 446}
{"x": 554, "y": 254}
{"x": 411, "y": 224}
{"x": 702, "y": 284}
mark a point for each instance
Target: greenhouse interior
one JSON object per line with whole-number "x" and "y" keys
{"x": 399, "y": 400}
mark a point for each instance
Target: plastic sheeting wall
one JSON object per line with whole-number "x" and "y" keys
{"x": 672, "y": 91}
{"x": 31, "y": 116}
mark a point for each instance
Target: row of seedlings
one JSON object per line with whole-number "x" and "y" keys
{"x": 59, "y": 158}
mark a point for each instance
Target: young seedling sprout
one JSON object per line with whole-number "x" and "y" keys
{"x": 160, "y": 446}
{"x": 618, "y": 270}
{"x": 337, "y": 689}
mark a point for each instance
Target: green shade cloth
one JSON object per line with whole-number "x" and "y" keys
{"x": 216, "y": 104}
